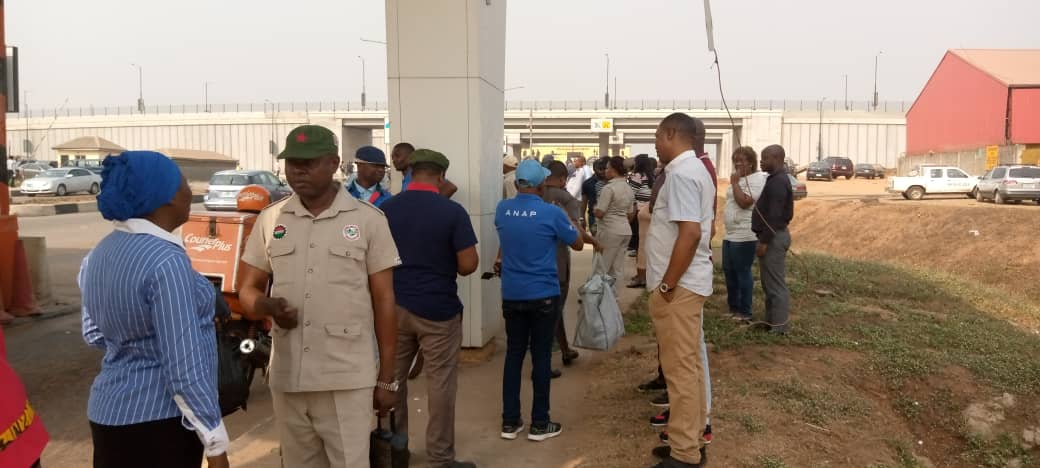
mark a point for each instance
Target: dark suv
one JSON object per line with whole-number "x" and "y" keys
{"x": 840, "y": 167}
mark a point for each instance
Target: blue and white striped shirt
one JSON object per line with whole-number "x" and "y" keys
{"x": 152, "y": 314}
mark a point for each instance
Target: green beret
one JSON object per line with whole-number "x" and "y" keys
{"x": 309, "y": 142}
{"x": 428, "y": 156}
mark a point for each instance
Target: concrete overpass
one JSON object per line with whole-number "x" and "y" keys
{"x": 244, "y": 132}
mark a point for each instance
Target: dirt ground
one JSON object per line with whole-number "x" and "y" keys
{"x": 820, "y": 398}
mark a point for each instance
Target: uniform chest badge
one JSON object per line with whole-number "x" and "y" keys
{"x": 280, "y": 231}
{"x": 351, "y": 232}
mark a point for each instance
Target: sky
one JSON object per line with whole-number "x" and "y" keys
{"x": 306, "y": 50}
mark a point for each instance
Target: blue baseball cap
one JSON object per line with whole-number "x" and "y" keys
{"x": 370, "y": 155}
{"x": 531, "y": 172}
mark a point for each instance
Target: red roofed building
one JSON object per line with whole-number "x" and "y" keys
{"x": 978, "y": 98}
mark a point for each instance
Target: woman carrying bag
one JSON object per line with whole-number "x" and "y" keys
{"x": 613, "y": 209}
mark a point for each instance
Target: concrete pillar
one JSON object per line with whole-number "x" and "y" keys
{"x": 40, "y": 273}
{"x": 604, "y": 145}
{"x": 446, "y": 73}
{"x": 354, "y": 138}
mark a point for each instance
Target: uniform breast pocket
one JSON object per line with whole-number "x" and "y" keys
{"x": 347, "y": 266}
{"x": 282, "y": 262}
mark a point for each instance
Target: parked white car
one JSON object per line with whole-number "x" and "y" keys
{"x": 933, "y": 180}
{"x": 61, "y": 182}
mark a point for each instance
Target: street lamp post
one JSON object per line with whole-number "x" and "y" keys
{"x": 205, "y": 99}
{"x": 819, "y": 145}
{"x": 846, "y": 92}
{"x": 362, "y": 82}
{"x": 875, "y": 78}
{"x": 606, "y": 93}
{"x": 140, "y": 87}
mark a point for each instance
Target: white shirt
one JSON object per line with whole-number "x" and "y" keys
{"x": 576, "y": 179}
{"x": 688, "y": 195}
{"x": 10, "y": 164}
{"x": 737, "y": 219}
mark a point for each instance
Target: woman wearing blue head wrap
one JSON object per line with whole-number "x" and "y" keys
{"x": 155, "y": 400}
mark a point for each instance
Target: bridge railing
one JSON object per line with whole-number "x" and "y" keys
{"x": 791, "y": 105}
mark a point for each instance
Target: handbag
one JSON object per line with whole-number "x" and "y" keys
{"x": 234, "y": 370}
{"x": 388, "y": 448}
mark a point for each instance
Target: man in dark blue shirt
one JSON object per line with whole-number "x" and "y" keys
{"x": 528, "y": 231}
{"x": 371, "y": 169}
{"x": 590, "y": 191}
{"x": 436, "y": 241}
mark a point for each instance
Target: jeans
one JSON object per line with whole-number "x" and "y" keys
{"x": 772, "y": 269}
{"x": 529, "y": 325}
{"x": 737, "y": 259}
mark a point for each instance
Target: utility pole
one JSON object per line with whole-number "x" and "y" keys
{"x": 606, "y": 93}
{"x": 362, "y": 82}
{"x": 140, "y": 87}
{"x": 846, "y": 92}
{"x": 819, "y": 147}
{"x": 530, "y": 130}
{"x": 206, "y": 96}
{"x": 615, "y": 93}
{"x": 875, "y": 79}
{"x": 25, "y": 108}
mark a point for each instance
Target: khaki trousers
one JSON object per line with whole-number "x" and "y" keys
{"x": 613, "y": 257}
{"x": 440, "y": 343}
{"x": 678, "y": 328}
{"x": 324, "y": 429}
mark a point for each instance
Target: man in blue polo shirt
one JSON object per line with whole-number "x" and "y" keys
{"x": 528, "y": 231}
{"x": 371, "y": 169}
{"x": 436, "y": 242}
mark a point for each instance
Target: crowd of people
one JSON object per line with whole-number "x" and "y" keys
{"x": 360, "y": 283}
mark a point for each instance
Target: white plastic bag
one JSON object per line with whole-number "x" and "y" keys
{"x": 600, "y": 323}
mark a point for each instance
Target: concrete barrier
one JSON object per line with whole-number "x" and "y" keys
{"x": 35, "y": 210}
{"x": 36, "y": 256}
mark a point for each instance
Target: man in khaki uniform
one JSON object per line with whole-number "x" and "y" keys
{"x": 332, "y": 300}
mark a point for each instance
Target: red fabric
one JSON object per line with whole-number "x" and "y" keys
{"x": 710, "y": 166}
{"x": 423, "y": 187}
{"x": 25, "y": 449}
{"x": 375, "y": 196}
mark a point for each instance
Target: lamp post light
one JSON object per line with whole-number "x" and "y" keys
{"x": 606, "y": 93}
{"x": 140, "y": 87}
{"x": 875, "y": 78}
{"x": 819, "y": 146}
{"x": 362, "y": 82}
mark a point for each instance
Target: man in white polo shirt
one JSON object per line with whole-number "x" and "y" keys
{"x": 679, "y": 276}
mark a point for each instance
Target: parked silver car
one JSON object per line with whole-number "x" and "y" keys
{"x": 225, "y": 185}
{"x": 28, "y": 171}
{"x": 1009, "y": 183}
{"x": 61, "y": 182}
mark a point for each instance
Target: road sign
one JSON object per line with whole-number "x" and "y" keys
{"x": 992, "y": 157}
{"x": 602, "y": 125}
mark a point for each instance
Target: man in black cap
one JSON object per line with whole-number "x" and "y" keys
{"x": 400, "y": 157}
{"x": 437, "y": 244}
{"x": 332, "y": 301}
{"x": 371, "y": 169}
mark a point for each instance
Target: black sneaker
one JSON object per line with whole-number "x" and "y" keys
{"x": 569, "y": 357}
{"x": 511, "y": 431}
{"x": 660, "y": 401}
{"x": 549, "y": 431}
{"x": 660, "y": 420}
{"x": 664, "y": 437}
{"x": 665, "y": 452}
{"x": 653, "y": 385}
{"x": 669, "y": 462}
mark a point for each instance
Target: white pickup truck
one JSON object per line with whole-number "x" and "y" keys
{"x": 933, "y": 180}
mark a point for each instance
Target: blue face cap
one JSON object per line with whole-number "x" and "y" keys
{"x": 531, "y": 172}
{"x": 370, "y": 155}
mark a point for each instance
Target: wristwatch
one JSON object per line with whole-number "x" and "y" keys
{"x": 390, "y": 387}
{"x": 664, "y": 288}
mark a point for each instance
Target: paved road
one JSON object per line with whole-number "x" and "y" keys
{"x": 55, "y": 364}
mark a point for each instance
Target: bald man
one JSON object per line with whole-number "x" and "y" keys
{"x": 773, "y": 211}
